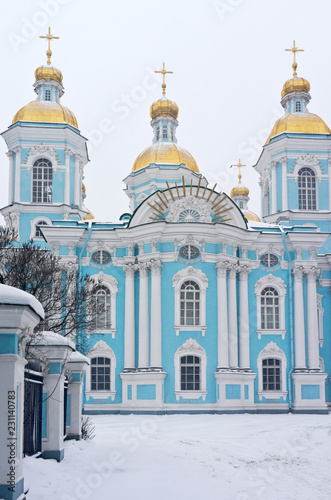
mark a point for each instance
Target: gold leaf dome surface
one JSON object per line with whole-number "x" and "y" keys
{"x": 251, "y": 216}
{"x": 48, "y": 73}
{"x": 89, "y": 215}
{"x": 164, "y": 107}
{"x": 299, "y": 123}
{"x": 239, "y": 191}
{"x": 44, "y": 111}
{"x": 165, "y": 153}
{"x": 295, "y": 84}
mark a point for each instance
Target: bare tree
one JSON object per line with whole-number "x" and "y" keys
{"x": 67, "y": 296}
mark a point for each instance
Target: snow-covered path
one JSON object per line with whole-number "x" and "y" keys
{"x": 191, "y": 457}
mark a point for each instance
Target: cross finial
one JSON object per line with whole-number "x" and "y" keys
{"x": 239, "y": 165}
{"x": 164, "y": 72}
{"x": 49, "y": 38}
{"x": 294, "y": 49}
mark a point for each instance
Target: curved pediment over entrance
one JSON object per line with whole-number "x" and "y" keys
{"x": 188, "y": 203}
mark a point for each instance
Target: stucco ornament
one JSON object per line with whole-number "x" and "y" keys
{"x": 191, "y": 345}
{"x": 189, "y": 209}
{"x": 309, "y": 161}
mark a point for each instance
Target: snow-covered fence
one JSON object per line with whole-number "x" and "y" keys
{"x": 75, "y": 369}
{"x": 20, "y": 312}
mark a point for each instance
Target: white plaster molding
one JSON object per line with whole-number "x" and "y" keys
{"x": 272, "y": 350}
{"x": 190, "y": 273}
{"x": 309, "y": 161}
{"x": 279, "y": 285}
{"x": 198, "y": 210}
{"x": 33, "y": 224}
{"x": 101, "y": 349}
{"x": 191, "y": 348}
{"x": 112, "y": 284}
{"x": 41, "y": 151}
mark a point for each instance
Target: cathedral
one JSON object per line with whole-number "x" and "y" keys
{"x": 206, "y": 307}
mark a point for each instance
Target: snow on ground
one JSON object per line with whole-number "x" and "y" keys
{"x": 191, "y": 457}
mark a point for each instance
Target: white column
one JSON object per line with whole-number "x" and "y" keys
{"x": 67, "y": 178}
{"x": 261, "y": 198}
{"x": 143, "y": 353}
{"x": 232, "y": 315}
{"x": 299, "y": 321}
{"x": 283, "y": 162}
{"x": 222, "y": 315}
{"x": 75, "y": 367}
{"x": 10, "y": 154}
{"x": 244, "y": 361}
{"x": 129, "y": 325}
{"x": 18, "y": 174}
{"x": 77, "y": 181}
{"x": 312, "y": 320}
{"x": 156, "y": 338}
{"x": 274, "y": 187}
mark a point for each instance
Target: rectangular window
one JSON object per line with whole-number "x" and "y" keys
{"x": 297, "y": 106}
{"x": 48, "y": 95}
{"x": 271, "y": 374}
{"x": 100, "y": 374}
{"x": 165, "y": 132}
{"x": 190, "y": 373}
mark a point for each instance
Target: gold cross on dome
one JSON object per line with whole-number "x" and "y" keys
{"x": 239, "y": 165}
{"x": 294, "y": 49}
{"x": 49, "y": 38}
{"x": 164, "y": 72}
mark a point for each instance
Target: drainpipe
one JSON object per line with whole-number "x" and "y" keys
{"x": 80, "y": 256}
{"x": 290, "y": 280}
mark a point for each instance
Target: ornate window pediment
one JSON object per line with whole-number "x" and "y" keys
{"x": 190, "y": 356}
{"x": 309, "y": 161}
{"x": 101, "y": 350}
{"x": 270, "y": 294}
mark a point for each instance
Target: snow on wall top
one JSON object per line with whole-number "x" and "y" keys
{"x": 14, "y": 296}
{"x": 52, "y": 338}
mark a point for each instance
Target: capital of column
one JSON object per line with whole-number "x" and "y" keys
{"x": 233, "y": 269}
{"x": 69, "y": 152}
{"x": 283, "y": 161}
{"x": 156, "y": 266}
{"x": 312, "y": 274}
{"x": 298, "y": 273}
{"x": 222, "y": 267}
{"x": 10, "y": 153}
{"x": 130, "y": 269}
{"x": 273, "y": 165}
{"x": 143, "y": 269}
{"x": 244, "y": 271}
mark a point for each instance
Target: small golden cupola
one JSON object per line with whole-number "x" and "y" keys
{"x": 240, "y": 193}
{"x": 49, "y": 89}
{"x": 164, "y": 150}
{"x": 295, "y": 98}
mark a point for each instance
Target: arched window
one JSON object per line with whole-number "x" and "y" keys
{"x": 270, "y": 302}
{"x": 102, "y": 303}
{"x": 190, "y": 373}
{"x": 271, "y": 366}
{"x": 269, "y": 309}
{"x": 307, "y": 189}
{"x": 100, "y": 374}
{"x": 42, "y": 181}
{"x": 189, "y": 303}
{"x": 38, "y": 232}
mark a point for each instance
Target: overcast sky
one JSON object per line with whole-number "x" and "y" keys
{"x": 229, "y": 67}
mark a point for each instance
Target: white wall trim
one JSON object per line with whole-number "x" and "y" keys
{"x": 101, "y": 349}
{"x": 272, "y": 351}
{"x": 279, "y": 285}
{"x": 191, "y": 348}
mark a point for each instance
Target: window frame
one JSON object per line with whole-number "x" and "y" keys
{"x": 103, "y": 365}
{"x": 298, "y": 107}
{"x": 304, "y": 192}
{"x": 105, "y": 323}
{"x": 269, "y": 311}
{"x": 44, "y": 181}
{"x": 278, "y": 284}
{"x": 196, "y": 275}
{"x": 101, "y": 349}
{"x": 111, "y": 283}
{"x": 48, "y": 93}
{"x": 272, "y": 351}
{"x": 190, "y": 348}
{"x": 34, "y": 223}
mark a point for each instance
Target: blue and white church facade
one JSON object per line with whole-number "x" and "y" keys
{"x": 206, "y": 308}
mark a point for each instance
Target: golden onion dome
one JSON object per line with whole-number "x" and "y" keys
{"x": 44, "y": 111}
{"x": 239, "y": 191}
{"x": 251, "y": 216}
{"x": 48, "y": 73}
{"x": 165, "y": 153}
{"x": 164, "y": 107}
{"x": 295, "y": 84}
{"x": 299, "y": 123}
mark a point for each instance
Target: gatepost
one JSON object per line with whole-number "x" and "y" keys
{"x": 20, "y": 312}
{"x": 75, "y": 367}
{"x": 54, "y": 350}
